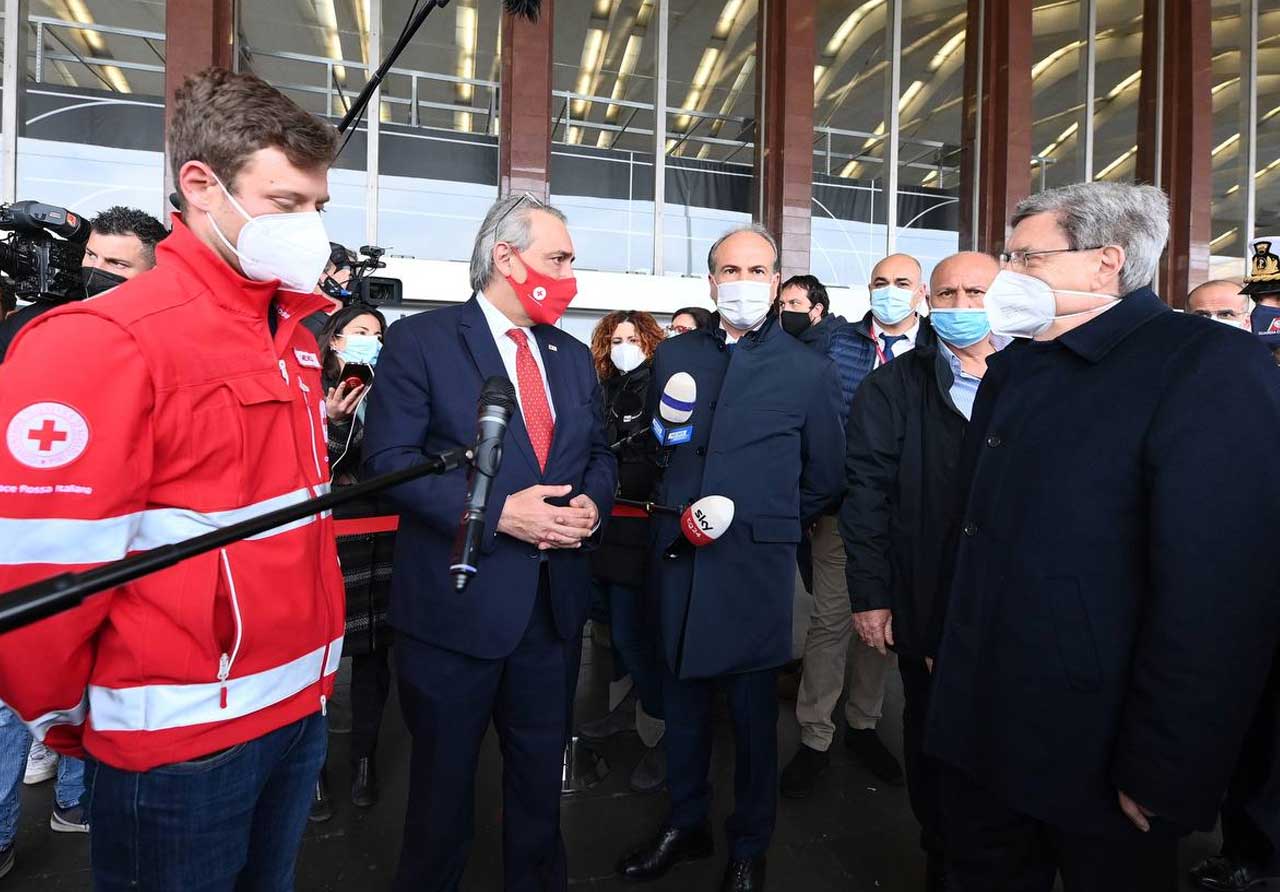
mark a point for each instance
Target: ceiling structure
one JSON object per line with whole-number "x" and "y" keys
{"x": 604, "y": 78}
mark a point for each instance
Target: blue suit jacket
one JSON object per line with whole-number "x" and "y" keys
{"x": 767, "y": 434}
{"x": 1115, "y": 602}
{"x": 429, "y": 377}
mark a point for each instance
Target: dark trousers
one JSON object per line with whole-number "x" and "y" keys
{"x": 635, "y": 646}
{"x": 753, "y": 704}
{"x": 448, "y": 699}
{"x": 370, "y": 687}
{"x": 993, "y": 848}
{"x": 1251, "y": 808}
{"x": 924, "y": 773}
{"x": 230, "y": 821}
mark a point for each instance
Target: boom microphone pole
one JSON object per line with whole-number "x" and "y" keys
{"x": 33, "y": 602}
{"x": 526, "y": 8}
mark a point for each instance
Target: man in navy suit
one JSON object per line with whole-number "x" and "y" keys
{"x": 507, "y": 648}
{"x": 767, "y": 434}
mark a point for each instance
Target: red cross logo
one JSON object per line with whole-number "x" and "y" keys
{"x": 47, "y": 435}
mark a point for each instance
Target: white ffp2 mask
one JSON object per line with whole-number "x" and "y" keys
{"x": 745, "y": 302}
{"x": 1022, "y": 306}
{"x": 293, "y": 248}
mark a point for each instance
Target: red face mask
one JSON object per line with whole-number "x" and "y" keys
{"x": 543, "y": 298}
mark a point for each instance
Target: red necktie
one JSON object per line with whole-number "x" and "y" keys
{"x": 533, "y": 398}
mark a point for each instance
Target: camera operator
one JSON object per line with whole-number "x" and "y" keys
{"x": 168, "y": 408}
{"x": 333, "y": 286}
{"x": 122, "y": 244}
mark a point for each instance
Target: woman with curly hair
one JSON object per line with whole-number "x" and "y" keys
{"x": 622, "y": 346}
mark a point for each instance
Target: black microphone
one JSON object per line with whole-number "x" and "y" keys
{"x": 497, "y": 402}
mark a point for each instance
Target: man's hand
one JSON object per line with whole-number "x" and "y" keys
{"x": 875, "y": 628}
{"x": 527, "y": 516}
{"x": 1134, "y": 812}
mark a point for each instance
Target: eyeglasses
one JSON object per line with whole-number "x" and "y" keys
{"x": 679, "y": 329}
{"x": 1020, "y": 258}
{"x": 525, "y": 196}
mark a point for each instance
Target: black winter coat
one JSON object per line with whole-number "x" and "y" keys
{"x": 1115, "y": 606}
{"x": 622, "y": 554}
{"x": 902, "y": 499}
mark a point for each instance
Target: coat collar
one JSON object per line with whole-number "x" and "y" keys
{"x": 1097, "y": 337}
{"x": 229, "y": 289}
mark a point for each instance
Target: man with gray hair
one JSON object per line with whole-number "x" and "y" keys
{"x": 508, "y": 650}
{"x": 1104, "y": 647}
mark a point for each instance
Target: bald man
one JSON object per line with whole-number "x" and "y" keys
{"x": 1221, "y": 300}
{"x": 890, "y": 329}
{"x": 905, "y": 428}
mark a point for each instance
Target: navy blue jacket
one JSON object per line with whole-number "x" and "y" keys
{"x": 1115, "y": 602}
{"x": 766, "y": 434}
{"x": 423, "y": 400}
{"x": 852, "y": 347}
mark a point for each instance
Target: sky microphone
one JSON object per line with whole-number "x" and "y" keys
{"x": 702, "y": 523}
{"x": 497, "y": 403}
{"x": 671, "y": 427}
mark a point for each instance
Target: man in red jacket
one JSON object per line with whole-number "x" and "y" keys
{"x": 185, "y": 400}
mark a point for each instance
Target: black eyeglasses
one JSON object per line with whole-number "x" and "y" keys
{"x": 1019, "y": 258}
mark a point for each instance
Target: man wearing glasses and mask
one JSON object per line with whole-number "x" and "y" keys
{"x": 1104, "y": 647}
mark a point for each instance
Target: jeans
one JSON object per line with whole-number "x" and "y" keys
{"x": 15, "y": 744}
{"x": 634, "y": 641}
{"x": 232, "y": 820}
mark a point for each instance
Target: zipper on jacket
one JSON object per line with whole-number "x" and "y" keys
{"x": 311, "y": 425}
{"x": 226, "y": 661}
{"x": 284, "y": 372}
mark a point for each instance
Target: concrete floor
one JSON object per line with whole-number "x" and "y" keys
{"x": 853, "y": 835}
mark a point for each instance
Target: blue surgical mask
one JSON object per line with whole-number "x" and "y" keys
{"x": 960, "y": 326}
{"x": 361, "y": 348}
{"x": 891, "y": 304}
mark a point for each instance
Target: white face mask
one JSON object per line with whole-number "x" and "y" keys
{"x": 1022, "y": 306}
{"x": 745, "y": 302}
{"x": 293, "y": 248}
{"x": 627, "y": 356}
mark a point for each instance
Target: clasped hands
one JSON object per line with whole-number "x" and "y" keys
{"x": 527, "y": 516}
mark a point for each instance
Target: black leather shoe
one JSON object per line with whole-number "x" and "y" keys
{"x": 802, "y": 772}
{"x": 321, "y": 806}
{"x": 874, "y": 755}
{"x": 669, "y": 848}
{"x": 364, "y": 784}
{"x": 744, "y": 875}
{"x": 1227, "y": 875}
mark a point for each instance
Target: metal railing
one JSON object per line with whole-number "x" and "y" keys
{"x": 44, "y": 26}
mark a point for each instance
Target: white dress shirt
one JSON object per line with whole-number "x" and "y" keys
{"x": 899, "y": 347}
{"x": 499, "y": 324}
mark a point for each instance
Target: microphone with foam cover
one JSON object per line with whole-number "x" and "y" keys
{"x": 679, "y": 397}
{"x": 702, "y": 523}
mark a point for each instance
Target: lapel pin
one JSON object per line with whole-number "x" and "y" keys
{"x": 553, "y": 348}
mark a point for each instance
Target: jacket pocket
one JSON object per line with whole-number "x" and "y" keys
{"x": 1076, "y": 647}
{"x": 775, "y": 529}
{"x": 228, "y": 624}
{"x": 233, "y": 426}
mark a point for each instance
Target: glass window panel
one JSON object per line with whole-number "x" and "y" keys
{"x": 317, "y": 55}
{"x": 850, "y": 79}
{"x": 1117, "y": 82}
{"x": 93, "y": 112}
{"x": 1056, "y": 56}
{"x": 930, "y": 120}
{"x": 438, "y": 161}
{"x": 711, "y": 98}
{"x": 602, "y": 140}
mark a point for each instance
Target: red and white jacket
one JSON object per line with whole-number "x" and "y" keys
{"x": 149, "y": 415}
